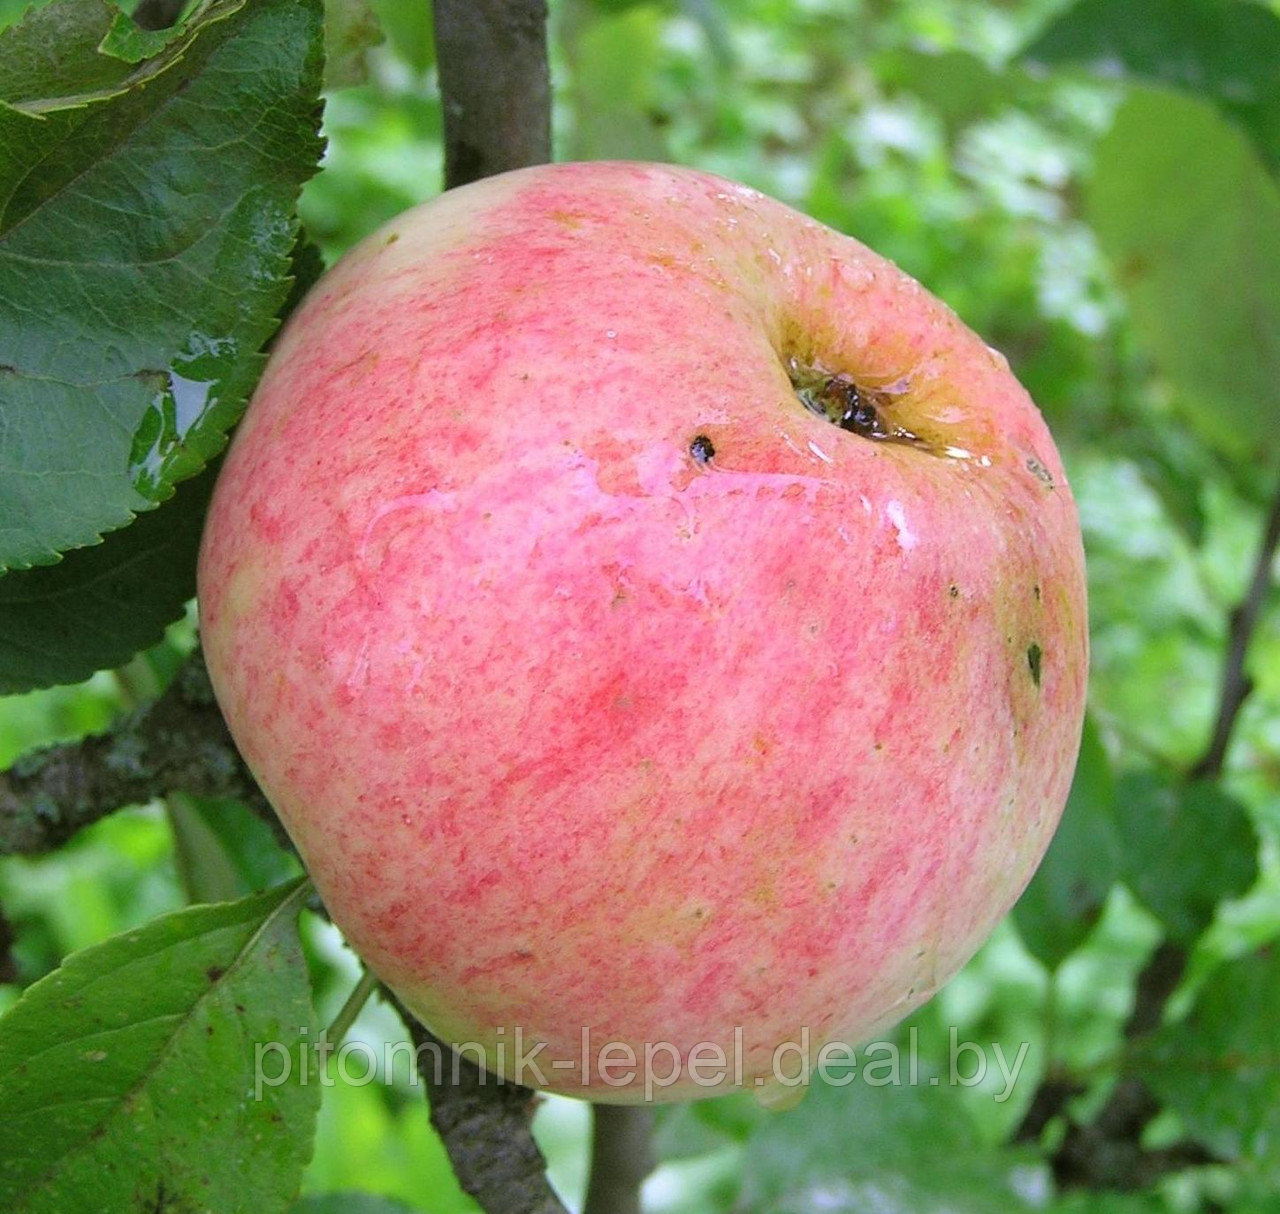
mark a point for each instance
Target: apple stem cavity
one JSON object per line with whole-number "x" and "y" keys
{"x": 852, "y": 407}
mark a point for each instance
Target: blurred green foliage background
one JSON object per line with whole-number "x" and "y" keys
{"x": 1093, "y": 189}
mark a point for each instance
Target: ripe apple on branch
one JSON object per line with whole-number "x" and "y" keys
{"x": 649, "y": 611}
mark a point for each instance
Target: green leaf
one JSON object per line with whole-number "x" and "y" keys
{"x": 205, "y": 867}
{"x": 857, "y": 1148}
{"x": 127, "y": 1076}
{"x": 1191, "y": 222}
{"x": 129, "y": 41}
{"x": 958, "y": 86}
{"x": 1217, "y": 1068}
{"x": 98, "y": 606}
{"x": 233, "y": 839}
{"x": 1223, "y": 49}
{"x": 615, "y": 60}
{"x": 144, "y": 242}
{"x": 1184, "y": 848}
{"x": 410, "y": 30}
{"x": 349, "y": 1203}
{"x": 1067, "y": 894}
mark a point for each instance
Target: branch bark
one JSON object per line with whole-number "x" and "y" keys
{"x": 621, "y": 1157}
{"x": 484, "y": 1125}
{"x": 494, "y": 85}
{"x": 177, "y": 743}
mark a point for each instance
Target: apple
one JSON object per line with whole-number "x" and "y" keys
{"x": 651, "y": 614}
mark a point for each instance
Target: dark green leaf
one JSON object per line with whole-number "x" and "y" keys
{"x": 1065, "y": 897}
{"x": 144, "y": 241}
{"x": 955, "y": 84}
{"x": 1227, "y": 50}
{"x": 98, "y": 606}
{"x": 1191, "y": 222}
{"x": 1218, "y": 1067}
{"x": 1184, "y": 848}
{"x": 898, "y": 1147}
{"x": 349, "y": 1203}
{"x": 127, "y": 1077}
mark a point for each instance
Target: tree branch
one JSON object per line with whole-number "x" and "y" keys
{"x": 1106, "y": 1153}
{"x": 494, "y": 85}
{"x": 621, "y": 1157}
{"x": 484, "y": 1125}
{"x": 1236, "y": 685}
{"x": 177, "y": 743}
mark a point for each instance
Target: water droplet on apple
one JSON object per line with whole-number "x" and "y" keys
{"x": 777, "y": 1096}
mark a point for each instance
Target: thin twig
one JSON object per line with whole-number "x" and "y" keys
{"x": 8, "y": 966}
{"x": 353, "y": 1006}
{"x": 621, "y": 1157}
{"x": 1236, "y": 685}
{"x": 494, "y": 85}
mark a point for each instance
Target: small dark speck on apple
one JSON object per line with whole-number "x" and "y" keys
{"x": 392, "y": 238}
{"x": 954, "y": 591}
{"x": 702, "y": 449}
{"x": 1034, "y": 656}
{"x": 1036, "y": 591}
{"x": 1039, "y": 471}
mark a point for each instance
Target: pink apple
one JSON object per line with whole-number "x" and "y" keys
{"x": 650, "y": 612}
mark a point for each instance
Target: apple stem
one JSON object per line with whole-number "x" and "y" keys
{"x": 346, "y": 1017}
{"x": 621, "y": 1157}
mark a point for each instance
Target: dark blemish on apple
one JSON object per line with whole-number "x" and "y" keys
{"x": 1036, "y": 591}
{"x": 702, "y": 449}
{"x": 1039, "y": 471}
{"x": 844, "y": 404}
{"x": 954, "y": 591}
{"x": 391, "y": 239}
{"x": 214, "y": 972}
{"x": 1034, "y": 655}
{"x": 860, "y": 410}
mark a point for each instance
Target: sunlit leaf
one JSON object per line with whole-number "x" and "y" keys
{"x": 1191, "y": 221}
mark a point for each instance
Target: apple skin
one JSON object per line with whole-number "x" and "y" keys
{"x": 574, "y": 729}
